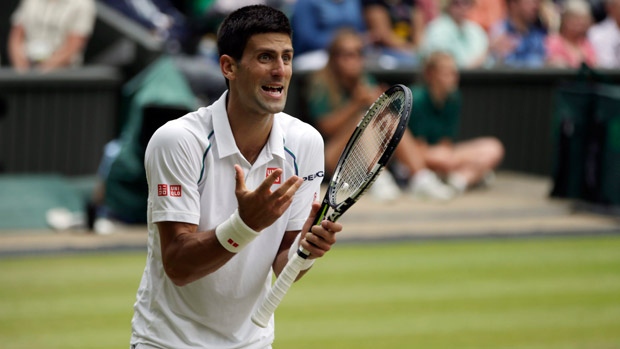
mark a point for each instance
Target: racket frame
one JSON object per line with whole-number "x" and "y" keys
{"x": 289, "y": 274}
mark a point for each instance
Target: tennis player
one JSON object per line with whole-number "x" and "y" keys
{"x": 232, "y": 193}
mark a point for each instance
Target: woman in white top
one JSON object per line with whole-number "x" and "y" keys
{"x": 50, "y": 34}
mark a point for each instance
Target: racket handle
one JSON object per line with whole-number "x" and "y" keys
{"x": 284, "y": 281}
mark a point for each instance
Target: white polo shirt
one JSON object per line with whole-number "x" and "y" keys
{"x": 190, "y": 170}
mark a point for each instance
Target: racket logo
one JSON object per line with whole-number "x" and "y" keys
{"x": 271, "y": 170}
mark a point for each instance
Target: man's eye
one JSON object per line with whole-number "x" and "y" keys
{"x": 287, "y": 58}
{"x": 264, "y": 57}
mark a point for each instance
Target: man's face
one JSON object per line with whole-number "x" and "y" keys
{"x": 459, "y": 9}
{"x": 264, "y": 72}
{"x": 349, "y": 58}
{"x": 445, "y": 76}
{"x": 576, "y": 24}
{"x": 527, "y": 10}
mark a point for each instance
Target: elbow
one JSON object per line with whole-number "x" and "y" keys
{"x": 177, "y": 275}
{"x": 181, "y": 274}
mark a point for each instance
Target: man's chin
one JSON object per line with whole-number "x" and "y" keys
{"x": 275, "y": 108}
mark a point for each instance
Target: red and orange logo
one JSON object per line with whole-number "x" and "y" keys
{"x": 162, "y": 190}
{"x": 270, "y": 170}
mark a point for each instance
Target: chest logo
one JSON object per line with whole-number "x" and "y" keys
{"x": 270, "y": 170}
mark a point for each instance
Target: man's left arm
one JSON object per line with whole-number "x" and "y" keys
{"x": 317, "y": 240}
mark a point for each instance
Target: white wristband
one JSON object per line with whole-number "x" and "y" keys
{"x": 234, "y": 234}
{"x": 293, "y": 251}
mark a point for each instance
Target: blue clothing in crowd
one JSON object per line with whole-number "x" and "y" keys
{"x": 316, "y": 21}
{"x": 530, "y": 50}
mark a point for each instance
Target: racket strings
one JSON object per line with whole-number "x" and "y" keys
{"x": 382, "y": 123}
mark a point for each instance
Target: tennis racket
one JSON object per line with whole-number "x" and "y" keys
{"x": 368, "y": 150}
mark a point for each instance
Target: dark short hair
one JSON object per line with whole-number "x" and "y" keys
{"x": 239, "y": 26}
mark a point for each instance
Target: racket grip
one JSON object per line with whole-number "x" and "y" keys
{"x": 284, "y": 281}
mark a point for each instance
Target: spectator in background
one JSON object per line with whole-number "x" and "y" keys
{"x": 48, "y": 34}
{"x": 570, "y": 46}
{"x": 452, "y": 32}
{"x": 605, "y": 37}
{"x": 430, "y": 9}
{"x": 519, "y": 39}
{"x": 339, "y": 95}
{"x": 315, "y": 23}
{"x": 396, "y": 29}
{"x": 435, "y": 121}
{"x": 487, "y": 12}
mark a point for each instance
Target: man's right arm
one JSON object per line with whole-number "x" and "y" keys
{"x": 188, "y": 255}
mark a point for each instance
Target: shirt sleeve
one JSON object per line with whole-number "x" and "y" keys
{"x": 312, "y": 171}
{"x": 18, "y": 15}
{"x": 173, "y": 164}
{"x": 84, "y": 18}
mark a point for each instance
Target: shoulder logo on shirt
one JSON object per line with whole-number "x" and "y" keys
{"x": 175, "y": 190}
{"x": 162, "y": 190}
{"x": 270, "y": 170}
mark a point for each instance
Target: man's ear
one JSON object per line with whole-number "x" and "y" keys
{"x": 228, "y": 65}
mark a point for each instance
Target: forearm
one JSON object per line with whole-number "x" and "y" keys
{"x": 288, "y": 243}
{"x": 417, "y": 28}
{"x": 17, "y": 50}
{"x": 342, "y": 119}
{"x": 380, "y": 27}
{"x": 193, "y": 255}
{"x": 65, "y": 54}
{"x": 281, "y": 261}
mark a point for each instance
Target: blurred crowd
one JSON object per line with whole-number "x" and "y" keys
{"x": 337, "y": 41}
{"x": 396, "y": 33}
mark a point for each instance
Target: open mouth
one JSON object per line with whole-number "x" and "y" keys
{"x": 274, "y": 90}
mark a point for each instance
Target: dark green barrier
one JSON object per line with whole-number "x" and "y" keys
{"x": 57, "y": 122}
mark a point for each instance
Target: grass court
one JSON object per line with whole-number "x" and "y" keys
{"x": 530, "y": 293}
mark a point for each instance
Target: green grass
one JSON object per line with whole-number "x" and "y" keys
{"x": 532, "y": 293}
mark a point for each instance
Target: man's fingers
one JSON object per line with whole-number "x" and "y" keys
{"x": 289, "y": 188}
{"x": 270, "y": 180}
{"x": 310, "y": 221}
{"x": 239, "y": 179}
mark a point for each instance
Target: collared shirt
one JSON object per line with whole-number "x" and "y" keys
{"x": 605, "y": 37}
{"x": 189, "y": 165}
{"x": 324, "y": 100}
{"x": 466, "y": 42}
{"x": 431, "y": 122}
